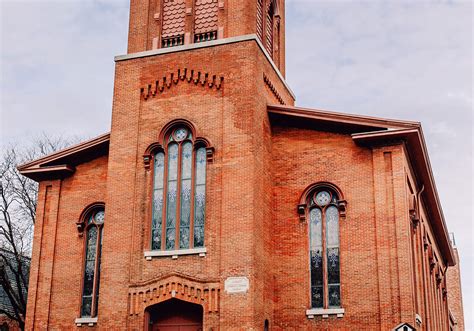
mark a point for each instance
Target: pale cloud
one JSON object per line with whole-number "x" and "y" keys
{"x": 398, "y": 59}
{"x": 408, "y": 60}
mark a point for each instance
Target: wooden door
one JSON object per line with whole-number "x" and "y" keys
{"x": 175, "y": 315}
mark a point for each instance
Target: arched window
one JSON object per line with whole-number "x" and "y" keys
{"x": 269, "y": 28}
{"x": 94, "y": 224}
{"x": 260, "y": 11}
{"x": 323, "y": 210}
{"x": 179, "y": 192}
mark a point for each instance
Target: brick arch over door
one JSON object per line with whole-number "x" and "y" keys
{"x": 143, "y": 295}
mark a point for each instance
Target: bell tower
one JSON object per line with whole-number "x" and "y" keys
{"x": 212, "y": 67}
{"x": 158, "y": 24}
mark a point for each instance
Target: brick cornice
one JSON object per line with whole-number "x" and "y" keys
{"x": 212, "y": 43}
{"x": 273, "y": 89}
{"x": 196, "y": 77}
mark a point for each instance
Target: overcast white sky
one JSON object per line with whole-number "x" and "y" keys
{"x": 398, "y": 59}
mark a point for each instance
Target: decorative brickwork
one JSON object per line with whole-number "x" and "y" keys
{"x": 205, "y": 19}
{"x": 174, "y": 14}
{"x": 272, "y": 88}
{"x": 185, "y": 75}
{"x": 145, "y": 294}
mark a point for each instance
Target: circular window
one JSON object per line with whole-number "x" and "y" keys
{"x": 322, "y": 198}
{"x": 180, "y": 134}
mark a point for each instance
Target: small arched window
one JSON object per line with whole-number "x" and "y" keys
{"x": 179, "y": 192}
{"x": 94, "y": 224}
{"x": 323, "y": 211}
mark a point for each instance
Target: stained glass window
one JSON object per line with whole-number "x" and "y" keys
{"x": 171, "y": 196}
{"x": 90, "y": 289}
{"x": 200, "y": 197}
{"x": 324, "y": 251}
{"x": 316, "y": 252}
{"x": 157, "y": 218}
{"x": 180, "y": 177}
{"x": 186, "y": 171}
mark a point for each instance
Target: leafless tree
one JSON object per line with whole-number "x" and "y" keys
{"x": 18, "y": 196}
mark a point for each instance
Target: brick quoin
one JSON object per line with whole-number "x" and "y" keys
{"x": 263, "y": 153}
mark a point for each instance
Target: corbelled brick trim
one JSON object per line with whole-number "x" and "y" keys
{"x": 185, "y": 75}
{"x": 149, "y": 293}
{"x": 272, "y": 88}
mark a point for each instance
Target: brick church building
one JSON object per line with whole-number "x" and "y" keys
{"x": 215, "y": 203}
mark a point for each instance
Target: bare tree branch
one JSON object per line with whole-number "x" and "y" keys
{"x": 18, "y": 196}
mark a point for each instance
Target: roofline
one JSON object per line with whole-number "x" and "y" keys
{"x": 332, "y": 116}
{"x": 408, "y": 131}
{"x": 48, "y": 172}
{"x": 26, "y": 167}
{"x": 415, "y": 137}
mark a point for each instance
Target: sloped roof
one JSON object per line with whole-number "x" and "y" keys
{"x": 365, "y": 131}
{"x": 369, "y": 131}
{"x": 62, "y": 163}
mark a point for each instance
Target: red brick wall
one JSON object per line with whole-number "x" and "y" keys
{"x": 54, "y": 292}
{"x": 455, "y": 293}
{"x": 235, "y": 18}
{"x": 233, "y": 118}
{"x": 254, "y": 183}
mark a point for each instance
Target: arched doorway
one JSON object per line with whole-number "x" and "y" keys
{"x": 174, "y": 315}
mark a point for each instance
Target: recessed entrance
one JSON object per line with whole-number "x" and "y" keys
{"x": 174, "y": 315}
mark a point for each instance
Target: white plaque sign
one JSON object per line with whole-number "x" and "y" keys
{"x": 236, "y": 285}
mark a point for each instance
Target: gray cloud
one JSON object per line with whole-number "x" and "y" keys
{"x": 397, "y": 59}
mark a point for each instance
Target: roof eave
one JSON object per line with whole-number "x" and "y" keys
{"x": 48, "y": 173}
{"x": 62, "y": 163}
{"x": 337, "y": 117}
{"x": 418, "y": 156}
{"x": 66, "y": 152}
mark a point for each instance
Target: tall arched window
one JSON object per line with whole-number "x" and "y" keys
{"x": 260, "y": 11}
{"x": 269, "y": 27}
{"x": 179, "y": 192}
{"x": 323, "y": 209}
{"x": 94, "y": 224}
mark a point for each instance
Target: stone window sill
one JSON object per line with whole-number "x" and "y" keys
{"x": 325, "y": 313}
{"x": 90, "y": 321}
{"x": 201, "y": 251}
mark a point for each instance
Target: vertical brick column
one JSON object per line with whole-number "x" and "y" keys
{"x": 394, "y": 266}
{"x": 138, "y": 26}
{"x": 454, "y": 293}
{"x": 39, "y": 296}
{"x": 389, "y": 309}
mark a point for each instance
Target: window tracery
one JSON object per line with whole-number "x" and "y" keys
{"x": 270, "y": 13}
{"x": 179, "y": 191}
{"x": 323, "y": 207}
{"x": 268, "y": 26}
{"x": 94, "y": 224}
